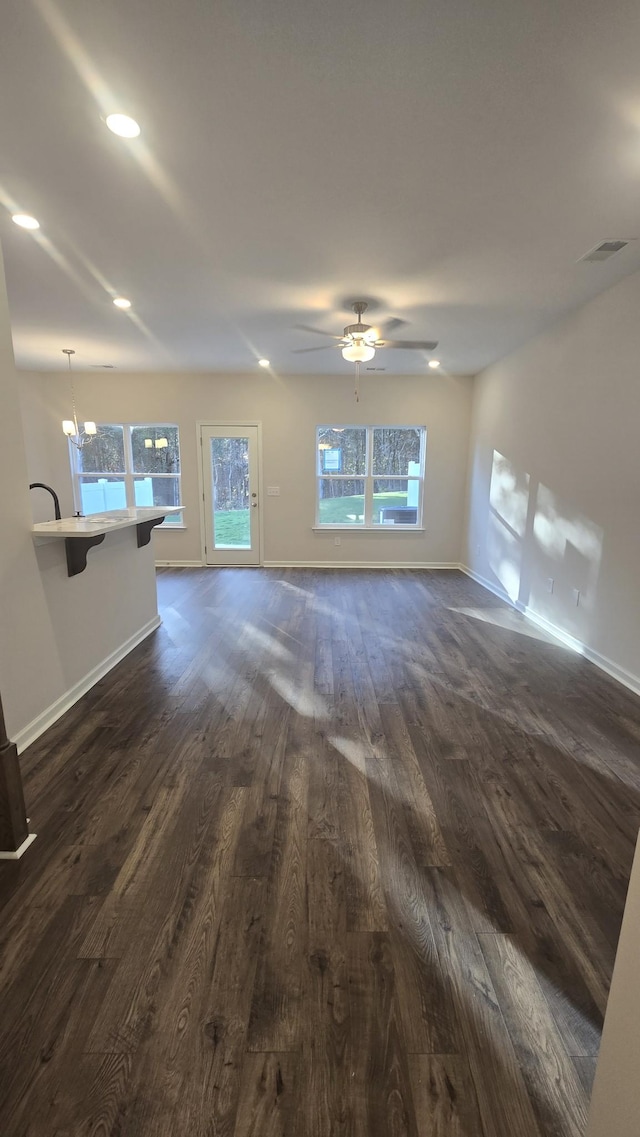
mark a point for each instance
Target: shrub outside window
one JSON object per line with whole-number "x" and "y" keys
{"x": 370, "y": 477}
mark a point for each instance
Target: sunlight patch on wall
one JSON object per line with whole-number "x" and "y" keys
{"x": 509, "y": 493}
{"x": 509, "y": 504}
{"x": 554, "y": 529}
{"x": 572, "y": 541}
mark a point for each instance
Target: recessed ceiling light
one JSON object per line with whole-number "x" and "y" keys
{"x": 25, "y": 221}
{"x": 122, "y": 302}
{"x": 263, "y": 363}
{"x": 123, "y": 125}
{"x": 434, "y": 363}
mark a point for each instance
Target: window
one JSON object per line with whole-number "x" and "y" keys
{"x": 370, "y": 477}
{"x": 128, "y": 465}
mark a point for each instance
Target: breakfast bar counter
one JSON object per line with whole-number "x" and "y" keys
{"x": 82, "y": 533}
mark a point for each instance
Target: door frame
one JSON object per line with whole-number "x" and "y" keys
{"x": 238, "y": 424}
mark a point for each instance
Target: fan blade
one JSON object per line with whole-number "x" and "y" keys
{"x": 323, "y": 347}
{"x": 316, "y": 331}
{"x": 389, "y": 326}
{"x": 412, "y": 345}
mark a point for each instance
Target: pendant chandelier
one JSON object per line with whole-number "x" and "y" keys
{"x": 80, "y": 438}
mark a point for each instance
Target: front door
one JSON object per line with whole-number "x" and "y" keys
{"x": 231, "y": 502}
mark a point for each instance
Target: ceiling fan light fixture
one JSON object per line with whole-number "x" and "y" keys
{"x": 358, "y": 352}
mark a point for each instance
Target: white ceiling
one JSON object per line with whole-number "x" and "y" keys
{"x": 450, "y": 160}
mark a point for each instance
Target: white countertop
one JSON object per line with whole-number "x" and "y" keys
{"x": 102, "y": 522}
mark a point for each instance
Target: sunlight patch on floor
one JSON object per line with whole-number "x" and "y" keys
{"x": 304, "y": 701}
{"x": 266, "y": 641}
{"x": 511, "y": 621}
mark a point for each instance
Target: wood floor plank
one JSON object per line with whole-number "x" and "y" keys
{"x": 444, "y": 1096}
{"x": 271, "y": 843}
{"x": 151, "y": 933}
{"x": 366, "y": 906}
{"x": 548, "y": 1072}
{"x": 191, "y": 1067}
{"x": 277, "y": 1012}
{"x": 586, "y": 1071}
{"x": 325, "y": 1070}
{"x": 422, "y": 991}
{"x": 324, "y": 788}
{"x": 503, "y": 1100}
{"x": 381, "y": 1097}
{"x": 421, "y": 817}
{"x": 268, "y": 1096}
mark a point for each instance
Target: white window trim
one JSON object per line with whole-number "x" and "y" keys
{"x": 369, "y": 477}
{"x": 127, "y": 475}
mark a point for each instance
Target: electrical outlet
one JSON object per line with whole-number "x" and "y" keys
{"x": 273, "y": 491}
{"x": 337, "y": 540}
{"x": 549, "y": 584}
{"x": 576, "y": 596}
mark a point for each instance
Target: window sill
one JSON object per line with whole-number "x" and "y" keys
{"x": 171, "y": 528}
{"x": 368, "y": 528}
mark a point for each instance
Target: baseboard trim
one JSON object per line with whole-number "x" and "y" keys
{"x": 602, "y": 662}
{"x": 15, "y": 854}
{"x": 43, "y": 721}
{"x": 179, "y": 564}
{"x": 363, "y": 564}
{"x": 497, "y": 590}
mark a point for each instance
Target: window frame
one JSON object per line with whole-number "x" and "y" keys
{"x": 369, "y": 478}
{"x": 128, "y": 475}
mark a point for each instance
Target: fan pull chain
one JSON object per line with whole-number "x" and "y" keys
{"x": 357, "y": 382}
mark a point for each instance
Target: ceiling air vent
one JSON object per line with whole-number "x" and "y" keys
{"x": 376, "y": 369}
{"x": 604, "y": 251}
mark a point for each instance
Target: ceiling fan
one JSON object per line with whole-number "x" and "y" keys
{"x": 359, "y": 341}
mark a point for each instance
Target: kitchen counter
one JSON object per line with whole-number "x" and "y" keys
{"x": 81, "y": 533}
{"x": 100, "y": 523}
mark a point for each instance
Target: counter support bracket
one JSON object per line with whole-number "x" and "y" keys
{"x": 77, "y": 549}
{"x": 144, "y": 530}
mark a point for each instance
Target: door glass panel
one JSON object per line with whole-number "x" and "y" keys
{"x": 231, "y": 499}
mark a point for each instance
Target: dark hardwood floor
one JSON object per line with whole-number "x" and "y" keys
{"x": 328, "y": 854}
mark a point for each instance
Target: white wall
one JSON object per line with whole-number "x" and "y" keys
{"x": 55, "y": 630}
{"x": 615, "y": 1104}
{"x": 30, "y": 675}
{"x": 555, "y": 477}
{"x": 289, "y": 410}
